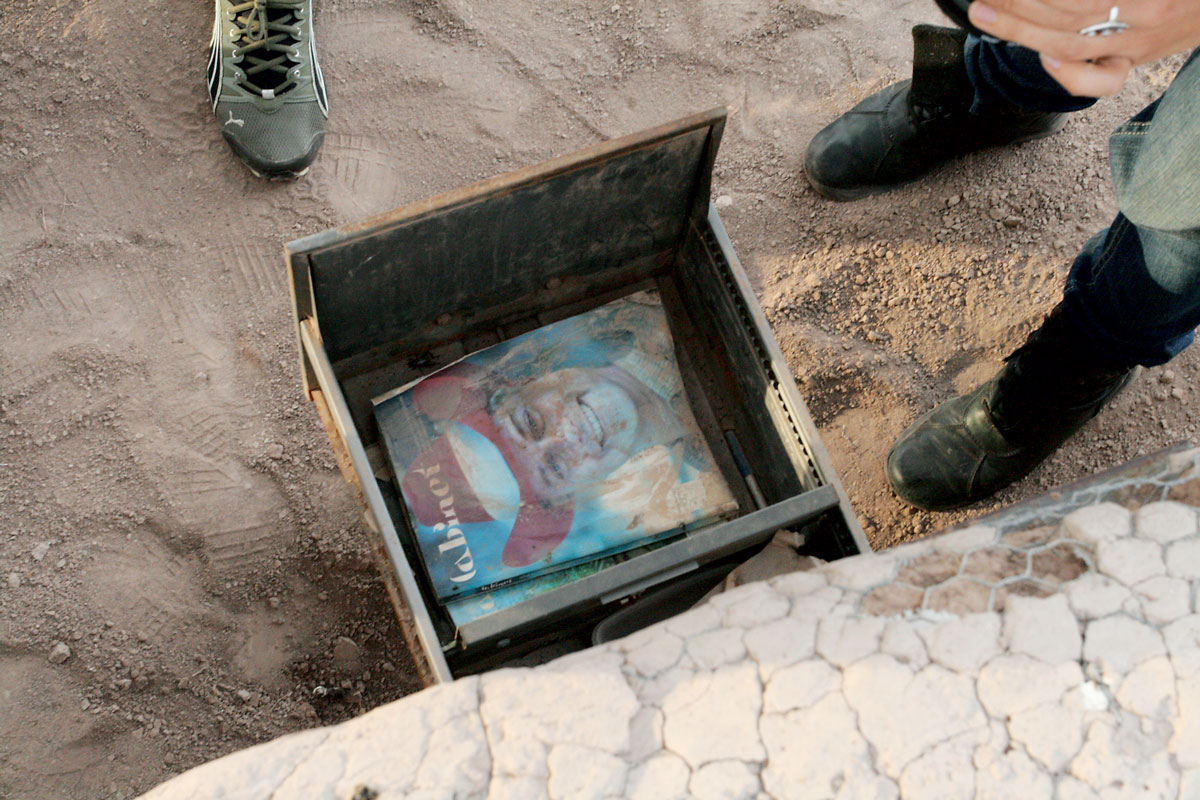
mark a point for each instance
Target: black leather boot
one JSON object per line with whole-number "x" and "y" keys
{"x": 972, "y": 446}
{"x": 905, "y": 131}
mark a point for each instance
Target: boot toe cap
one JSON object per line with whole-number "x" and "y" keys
{"x": 279, "y": 144}
{"x": 935, "y": 463}
{"x": 920, "y": 478}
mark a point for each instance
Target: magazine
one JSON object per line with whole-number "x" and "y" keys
{"x": 469, "y": 609}
{"x": 565, "y": 444}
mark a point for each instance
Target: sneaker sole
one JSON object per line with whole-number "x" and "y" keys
{"x": 278, "y": 176}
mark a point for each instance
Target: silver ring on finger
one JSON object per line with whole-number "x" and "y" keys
{"x": 1110, "y": 26}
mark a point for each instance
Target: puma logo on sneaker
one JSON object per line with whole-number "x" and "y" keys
{"x": 263, "y": 63}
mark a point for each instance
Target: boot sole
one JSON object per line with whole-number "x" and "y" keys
{"x": 847, "y": 194}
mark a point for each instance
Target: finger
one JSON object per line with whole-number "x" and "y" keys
{"x": 1045, "y": 15}
{"x": 1062, "y": 45}
{"x": 1082, "y": 79}
{"x": 1073, "y": 14}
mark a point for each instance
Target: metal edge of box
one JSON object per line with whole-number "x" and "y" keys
{"x": 709, "y": 543}
{"x": 510, "y": 181}
{"x": 375, "y": 504}
{"x": 791, "y": 392}
{"x": 303, "y": 307}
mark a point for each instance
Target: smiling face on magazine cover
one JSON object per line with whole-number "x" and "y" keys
{"x": 572, "y": 427}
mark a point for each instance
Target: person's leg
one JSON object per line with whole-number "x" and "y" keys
{"x": 1135, "y": 287}
{"x": 1132, "y": 297}
{"x": 1004, "y": 75}
{"x": 966, "y": 94}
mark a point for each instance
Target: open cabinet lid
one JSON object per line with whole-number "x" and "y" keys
{"x": 368, "y": 283}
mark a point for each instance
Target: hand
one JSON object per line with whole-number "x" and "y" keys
{"x": 1092, "y": 66}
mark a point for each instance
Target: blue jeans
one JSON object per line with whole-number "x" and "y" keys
{"x": 1134, "y": 289}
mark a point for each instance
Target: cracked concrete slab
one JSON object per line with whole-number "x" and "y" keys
{"x": 1070, "y": 675}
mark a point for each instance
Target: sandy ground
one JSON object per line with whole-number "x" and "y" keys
{"x": 169, "y": 508}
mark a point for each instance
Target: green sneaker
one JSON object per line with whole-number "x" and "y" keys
{"x": 266, "y": 86}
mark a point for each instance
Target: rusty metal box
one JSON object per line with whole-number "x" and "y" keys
{"x": 384, "y": 301}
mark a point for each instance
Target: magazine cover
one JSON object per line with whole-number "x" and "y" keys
{"x": 567, "y": 443}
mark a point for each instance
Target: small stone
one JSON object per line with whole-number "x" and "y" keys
{"x": 1012, "y": 221}
{"x": 1164, "y": 599}
{"x": 1183, "y": 559}
{"x": 663, "y": 775}
{"x": 713, "y": 649}
{"x": 818, "y": 747}
{"x": 1117, "y": 644}
{"x": 347, "y": 655}
{"x": 274, "y": 451}
{"x": 902, "y": 643}
{"x": 59, "y": 653}
{"x": 653, "y": 653}
{"x": 1130, "y": 561}
{"x": 697, "y": 620}
{"x": 1165, "y": 522}
{"x": 963, "y": 644}
{"x": 903, "y": 714}
{"x": 645, "y": 734}
{"x": 1011, "y": 775}
{"x": 753, "y": 605}
{"x": 40, "y": 551}
{"x": 1117, "y": 753}
{"x": 722, "y": 780}
{"x": 273, "y": 602}
{"x": 781, "y": 643}
{"x": 1149, "y": 690}
{"x": 819, "y": 604}
{"x": 1094, "y": 596}
{"x": 14, "y": 580}
{"x": 860, "y": 573}
{"x": 798, "y": 584}
{"x": 1011, "y": 683}
{"x": 123, "y": 683}
{"x": 723, "y": 201}
{"x": 1044, "y": 628}
{"x": 1183, "y": 643}
{"x": 800, "y": 686}
{"x": 728, "y": 700}
{"x": 844, "y": 639}
{"x": 244, "y": 695}
{"x": 1052, "y": 733}
{"x": 1185, "y": 744}
{"x": 1099, "y": 523}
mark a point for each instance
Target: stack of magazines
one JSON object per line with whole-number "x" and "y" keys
{"x": 550, "y": 456}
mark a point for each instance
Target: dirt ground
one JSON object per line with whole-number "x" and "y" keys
{"x": 170, "y": 510}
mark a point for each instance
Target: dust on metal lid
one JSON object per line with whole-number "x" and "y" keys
{"x": 606, "y": 205}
